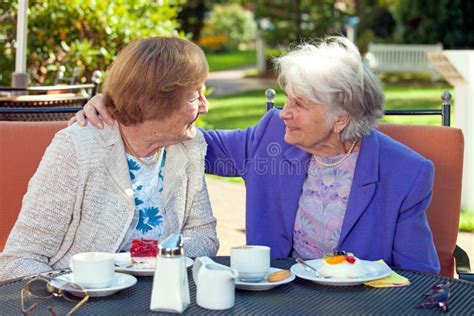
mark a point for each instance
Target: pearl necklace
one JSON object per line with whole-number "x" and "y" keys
{"x": 337, "y": 163}
{"x": 151, "y": 162}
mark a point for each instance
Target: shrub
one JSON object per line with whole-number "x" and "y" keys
{"x": 213, "y": 43}
{"x": 231, "y": 22}
{"x": 86, "y": 33}
{"x": 270, "y": 55}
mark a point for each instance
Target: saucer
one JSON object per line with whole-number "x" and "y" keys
{"x": 264, "y": 284}
{"x": 121, "y": 281}
{"x": 123, "y": 263}
{"x": 374, "y": 270}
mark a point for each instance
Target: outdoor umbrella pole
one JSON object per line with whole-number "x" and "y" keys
{"x": 20, "y": 77}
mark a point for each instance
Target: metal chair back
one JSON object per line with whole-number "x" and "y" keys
{"x": 444, "y": 112}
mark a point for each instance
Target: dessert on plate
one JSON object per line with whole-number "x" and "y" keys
{"x": 143, "y": 253}
{"x": 341, "y": 265}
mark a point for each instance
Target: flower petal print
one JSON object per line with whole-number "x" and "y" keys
{"x": 148, "y": 219}
{"x": 138, "y": 201}
{"x": 132, "y": 166}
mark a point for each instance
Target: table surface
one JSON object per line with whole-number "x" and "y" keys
{"x": 296, "y": 298}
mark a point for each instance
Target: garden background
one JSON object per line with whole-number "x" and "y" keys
{"x": 89, "y": 33}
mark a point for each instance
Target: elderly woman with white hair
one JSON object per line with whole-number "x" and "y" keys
{"x": 319, "y": 176}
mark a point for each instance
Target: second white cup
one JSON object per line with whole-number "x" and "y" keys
{"x": 93, "y": 269}
{"x": 252, "y": 262}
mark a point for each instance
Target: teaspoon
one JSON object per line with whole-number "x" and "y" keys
{"x": 308, "y": 267}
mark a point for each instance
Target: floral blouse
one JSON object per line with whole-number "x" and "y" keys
{"x": 322, "y": 207}
{"x": 147, "y": 185}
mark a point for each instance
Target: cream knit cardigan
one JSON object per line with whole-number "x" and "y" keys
{"x": 81, "y": 199}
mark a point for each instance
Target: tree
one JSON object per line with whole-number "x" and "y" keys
{"x": 377, "y": 22}
{"x": 87, "y": 33}
{"x": 288, "y": 22}
{"x": 191, "y": 17}
{"x": 447, "y": 21}
{"x": 193, "y": 12}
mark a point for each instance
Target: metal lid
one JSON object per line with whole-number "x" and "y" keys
{"x": 172, "y": 246}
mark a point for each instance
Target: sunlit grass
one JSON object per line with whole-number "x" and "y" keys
{"x": 466, "y": 222}
{"x": 231, "y": 60}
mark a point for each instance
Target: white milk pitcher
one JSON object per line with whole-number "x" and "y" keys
{"x": 215, "y": 284}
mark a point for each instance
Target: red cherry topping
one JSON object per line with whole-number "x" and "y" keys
{"x": 351, "y": 260}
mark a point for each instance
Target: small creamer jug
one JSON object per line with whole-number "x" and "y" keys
{"x": 170, "y": 291}
{"x": 215, "y": 284}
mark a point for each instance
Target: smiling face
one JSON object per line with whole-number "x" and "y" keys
{"x": 147, "y": 137}
{"x": 179, "y": 126}
{"x": 308, "y": 126}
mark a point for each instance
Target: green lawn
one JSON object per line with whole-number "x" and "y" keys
{"x": 466, "y": 222}
{"x": 232, "y": 60}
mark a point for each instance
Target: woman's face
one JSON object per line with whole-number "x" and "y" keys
{"x": 180, "y": 126}
{"x": 307, "y": 125}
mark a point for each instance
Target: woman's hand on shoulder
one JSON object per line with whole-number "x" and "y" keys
{"x": 94, "y": 112}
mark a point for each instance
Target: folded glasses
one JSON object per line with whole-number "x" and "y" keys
{"x": 39, "y": 287}
{"x": 438, "y": 297}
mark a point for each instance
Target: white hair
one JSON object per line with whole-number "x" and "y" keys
{"x": 331, "y": 73}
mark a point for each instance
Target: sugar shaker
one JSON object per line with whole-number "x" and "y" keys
{"x": 170, "y": 292}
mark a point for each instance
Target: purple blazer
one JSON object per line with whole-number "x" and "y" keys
{"x": 385, "y": 216}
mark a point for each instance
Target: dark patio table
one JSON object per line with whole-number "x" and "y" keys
{"x": 296, "y": 298}
{"x": 45, "y": 107}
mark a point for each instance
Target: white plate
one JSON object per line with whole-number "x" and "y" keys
{"x": 123, "y": 260}
{"x": 121, "y": 281}
{"x": 264, "y": 284}
{"x": 374, "y": 270}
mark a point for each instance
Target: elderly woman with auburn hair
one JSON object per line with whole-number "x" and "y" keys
{"x": 319, "y": 176}
{"x": 142, "y": 178}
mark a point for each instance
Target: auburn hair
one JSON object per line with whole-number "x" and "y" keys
{"x": 148, "y": 78}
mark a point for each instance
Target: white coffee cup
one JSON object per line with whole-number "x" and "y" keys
{"x": 93, "y": 269}
{"x": 252, "y": 262}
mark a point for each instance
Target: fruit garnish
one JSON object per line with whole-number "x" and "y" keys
{"x": 350, "y": 259}
{"x": 335, "y": 259}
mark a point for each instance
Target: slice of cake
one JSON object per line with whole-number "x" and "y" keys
{"x": 341, "y": 265}
{"x": 143, "y": 253}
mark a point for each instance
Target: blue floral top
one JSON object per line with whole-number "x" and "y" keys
{"x": 147, "y": 185}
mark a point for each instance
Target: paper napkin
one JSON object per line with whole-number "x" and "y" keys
{"x": 392, "y": 280}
